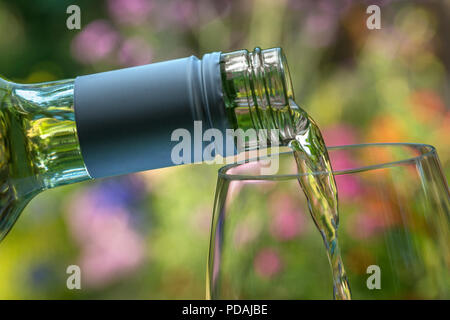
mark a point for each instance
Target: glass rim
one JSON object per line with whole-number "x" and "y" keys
{"x": 222, "y": 173}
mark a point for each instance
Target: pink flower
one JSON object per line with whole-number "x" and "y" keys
{"x": 115, "y": 252}
{"x": 94, "y": 42}
{"x": 287, "y": 225}
{"x": 267, "y": 263}
{"x": 134, "y": 52}
{"x": 287, "y": 220}
{"x": 183, "y": 12}
{"x": 348, "y": 186}
{"x": 341, "y": 160}
{"x": 367, "y": 225}
{"x": 130, "y": 11}
{"x": 338, "y": 135}
{"x": 110, "y": 247}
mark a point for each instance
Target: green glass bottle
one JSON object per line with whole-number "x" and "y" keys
{"x": 121, "y": 121}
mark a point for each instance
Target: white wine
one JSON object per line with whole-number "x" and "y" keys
{"x": 319, "y": 187}
{"x": 39, "y": 147}
{"x": 270, "y": 104}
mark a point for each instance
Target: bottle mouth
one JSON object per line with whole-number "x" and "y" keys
{"x": 259, "y": 78}
{"x": 286, "y": 75}
{"x": 271, "y": 77}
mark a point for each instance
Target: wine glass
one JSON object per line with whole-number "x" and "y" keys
{"x": 394, "y": 229}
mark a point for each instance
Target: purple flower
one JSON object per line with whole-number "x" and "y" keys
{"x": 94, "y": 42}
{"x": 348, "y": 185}
{"x": 130, "y": 11}
{"x": 101, "y": 221}
{"x": 125, "y": 191}
{"x": 183, "y": 12}
{"x": 115, "y": 251}
{"x": 267, "y": 263}
{"x": 287, "y": 221}
{"x": 134, "y": 52}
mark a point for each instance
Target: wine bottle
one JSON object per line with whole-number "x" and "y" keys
{"x": 119, "y": 122}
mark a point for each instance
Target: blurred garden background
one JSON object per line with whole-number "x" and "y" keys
{"x": 146, "y": 236}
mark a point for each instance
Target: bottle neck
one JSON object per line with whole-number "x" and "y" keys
{"x": 258, "y": 91}
{"x": 139, "y": 118}
{"x": 129, "y": 115}
{"x": 40, "y": 123}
